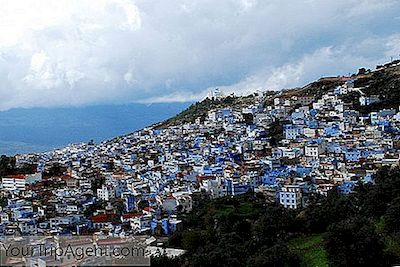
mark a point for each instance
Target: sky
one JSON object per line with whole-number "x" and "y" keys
{"x": 83, "y": 52}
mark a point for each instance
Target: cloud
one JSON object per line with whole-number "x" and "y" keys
{"x": 80, "y": 52}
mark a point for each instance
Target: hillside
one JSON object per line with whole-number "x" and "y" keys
{"x": 200, "y": 109}
{"x": 385, "y": 82}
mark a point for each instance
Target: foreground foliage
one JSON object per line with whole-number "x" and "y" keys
{"x": 361, "y": 229}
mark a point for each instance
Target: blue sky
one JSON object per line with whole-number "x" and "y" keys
{"x": 85, "y": 52}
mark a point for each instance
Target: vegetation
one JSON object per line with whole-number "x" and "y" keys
{"x": 55, "y": 170}
{"x": 200, "y": 109}
{"x": 3, "y": 202}
{"x": 276, "y": 132}
{"x": 8, "y": 167}
{"x": 337, "y": 230}
{"x": 310, "y": 249}
{"x": 385, "y": 83}
{"x": 355, "y": 242}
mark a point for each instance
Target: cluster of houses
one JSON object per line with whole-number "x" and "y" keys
{"x": 141, "y": 183}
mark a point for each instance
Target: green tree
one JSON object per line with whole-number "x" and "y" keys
{"x": 324, "y": 211}
{"x": 277, "y": 255}
{"x": 7, "y": 165}
{"x": 191, "y": 240}
{"x": 56, "y": 170}
{"x": 354, "y": 242}
{"x": 3, "y": 202}
{"x": 392, "y": 216}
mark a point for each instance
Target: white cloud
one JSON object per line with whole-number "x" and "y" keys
{"x": 77, "y": 52}
{"x": 327, "y": 61}
{"x": 393, "y": 46}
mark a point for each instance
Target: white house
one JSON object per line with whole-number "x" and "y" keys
{"x": 313, "y": 150}
{"x": 290, "y": 196}
{"x": 368, "y": 100}
{"x": 13, "y": 183}
{"x": 106, "y": 192}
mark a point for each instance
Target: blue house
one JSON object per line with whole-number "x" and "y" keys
{"x": 333, "y": 148}
{"x": 382, "y": 117}
{"x": 303, "y": 171}
{"x": 365, "y": 153}
{"x": 226, "y": 112}
{"x": 340, "y": 90}
{"x": 197, "y": 142}
{"x": 130, "y": 203}
{"x": 313, "y": 112}
{"x": 346, "y": 187}
{"x": 229, "y": 186}
{"x": 352, "y": 154}
{"x": 312, "y": 123}
{"x": 164, "y": 226}
{"x": 239, "y": 189}
{"x": 220, "y": 159}
{"x": 210, "y": 170}
{"x": 235, "y": 157}
{"x": 292, "y": 132}
{"x": 332, "y": 131}
{"x": 269, "y": 178}
{"x": 368, "y": 178}
{"x": 88, "y": 201}
{"x": 297, "y": 117}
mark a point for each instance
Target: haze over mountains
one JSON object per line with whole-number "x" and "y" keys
{"x": 41, "y": 129}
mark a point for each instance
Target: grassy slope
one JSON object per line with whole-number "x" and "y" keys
{"x": 311, "y": 251}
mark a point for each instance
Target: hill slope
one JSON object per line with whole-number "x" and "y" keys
{"x": 384, "y": 82}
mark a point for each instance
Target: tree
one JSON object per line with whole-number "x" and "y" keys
{"x": 354, "y": 242}
{"x": 375, "y": 199}
{"x": 277, "y": 255}
{"x": 56, "y": 170}
{"x": 191, "y": 240}
{"x": 98, "y": 183}
{"x": 164, "y": 260}
{"x": 7, "y": 165}
{"x": 323, "y": 211}
{"x": 92, "y": 208}
{"x": 276, "y": 132}
{"x": 3, "y": 202}
{"x": 392, "y": 216}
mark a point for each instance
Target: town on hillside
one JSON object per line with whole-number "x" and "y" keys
{"x": 287, "y": 146}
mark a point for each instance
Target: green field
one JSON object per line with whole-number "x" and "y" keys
{"x": 311, "y": 250}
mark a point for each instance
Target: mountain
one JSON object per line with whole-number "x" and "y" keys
{"x": 40, "y": 129}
